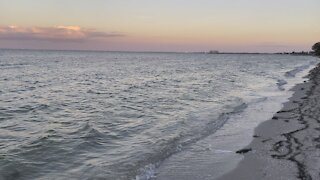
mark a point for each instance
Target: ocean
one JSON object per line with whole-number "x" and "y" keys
{"x": 128, "y": 115}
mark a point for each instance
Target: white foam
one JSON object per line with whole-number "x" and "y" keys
{"x": 147, "y": 173}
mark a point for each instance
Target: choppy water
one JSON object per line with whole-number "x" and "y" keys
{"x": 109, "y": 115}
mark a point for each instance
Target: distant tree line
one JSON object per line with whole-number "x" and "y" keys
{"x": 316, "y": 48}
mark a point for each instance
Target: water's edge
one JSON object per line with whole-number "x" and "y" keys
{"x": 230, "y": 159}
{"x": 285, "y": 146}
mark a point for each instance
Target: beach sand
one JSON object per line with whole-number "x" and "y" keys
{"x": 288, "y": 145}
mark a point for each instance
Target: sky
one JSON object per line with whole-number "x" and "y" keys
{"x": 160, "y": 25}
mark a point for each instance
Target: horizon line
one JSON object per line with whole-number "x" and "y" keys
{"x": 132, "y": 51}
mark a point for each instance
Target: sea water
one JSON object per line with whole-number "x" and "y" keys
{"x": 125, "y": 115}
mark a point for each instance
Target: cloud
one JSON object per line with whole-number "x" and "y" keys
{"x": 58, "y": 33}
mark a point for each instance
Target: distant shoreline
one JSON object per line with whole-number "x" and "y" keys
{"x": 168, "y": 52}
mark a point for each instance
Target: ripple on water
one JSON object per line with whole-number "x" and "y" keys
{"x": 107, "y": 115}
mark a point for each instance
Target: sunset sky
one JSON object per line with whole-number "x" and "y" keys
{"x": 160, "y": 25}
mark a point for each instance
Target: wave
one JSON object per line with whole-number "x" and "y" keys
{"x": 296, "y": 70}
{"x": 27, "y": 109}
{"x": 292, "y": 73}
{"x": 182, "y": 141}
{"x": 97, "y": 92}
{"x": 178, "y": 144}
{"x": 281, "y": 83}
{"x": 88, "y": 133}
{"x": 13, "y": 64}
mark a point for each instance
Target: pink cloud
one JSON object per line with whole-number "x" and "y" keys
{"x": 58, "y": 33}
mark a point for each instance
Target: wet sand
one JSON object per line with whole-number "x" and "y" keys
{"x": 288, "y": 145}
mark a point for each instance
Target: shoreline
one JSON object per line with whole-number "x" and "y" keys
{"x": 214, "y": 156}
{"x": 288, "y": 145}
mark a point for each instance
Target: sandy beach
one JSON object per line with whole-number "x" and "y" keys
{"x": 288, "y": 145}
